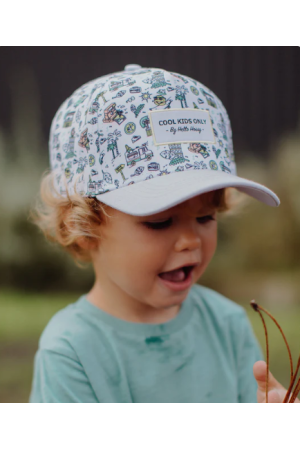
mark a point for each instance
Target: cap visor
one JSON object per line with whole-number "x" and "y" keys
{"x": 163, "y": 192}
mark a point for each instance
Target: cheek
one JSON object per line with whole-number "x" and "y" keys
{"x": 210, "y": 242}
{"x": 134, "y": 253}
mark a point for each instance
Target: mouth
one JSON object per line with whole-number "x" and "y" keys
{"x": 178, "y": 279}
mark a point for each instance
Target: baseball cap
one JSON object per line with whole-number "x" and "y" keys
{"x": 144, "y": 140}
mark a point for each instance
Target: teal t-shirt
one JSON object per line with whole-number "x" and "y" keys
{"x": 204, "y": 355}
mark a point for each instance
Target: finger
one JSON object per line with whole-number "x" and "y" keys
{"x": 259, "y": 372}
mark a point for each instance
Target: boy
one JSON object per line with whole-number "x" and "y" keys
{"x": 142, "y": 162}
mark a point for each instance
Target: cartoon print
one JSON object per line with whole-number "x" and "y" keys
{"x": 84, "y": 141}
{"x": 145, "y": 123}
{"x": 153, "y": 166}
{"x": 181, "y": 92}
{"x": 91, "y": 160}
{"x": 135, "y": 138}
{"x": 111, "y": 114}
{"x": 119, "y": 170}
{"x": 186, "y": 94}
{"x": 179, "y": 77}
{"x": 146, "y": 96}
{"x": 107, "y": 177}
{"x": 96, "y": 105}
{"x": 176, "y": 154}
{"x": 101, "y": 158}
{"x": 120, "y": 94}
{"x": 135, "y": 90}
{"x": 157, "y": 80}
{"x": 115, "y": 85}
{"x": 209, "y": 98}
{"x": 95, "y": 187}
{"x": 222, "y": 127}
{"x": 164, "y": 172}
{"x": 213, "y": 165}
{"x": 137, "y": 110}
{"x": 194, "y": 90}
{"x": 55, "y": 143}
{"x": 78, "y": 116}
{"x": 130, "y": 128}
{"x": 200, "y": 165}
{"x": 119, "y": 117}
{"x": 98, "y": 140}
{"x": 68, "y": 173}
{"x": 224, "y": 168}
{"x": 68, "y": 119}
{"x": 80, "y": 100}
{"x": 82, "y": 162}
{"x": 161, "y": 102}
{"x": 112, "y": 143}
{"x": 133, "y": 155}
{"x": 227, "y": 157}
{"x": 131, "y": 99}
{"x": 196, "y": 147}
{"x": 70, "y": 146}
{"x": 216, "y": 152}
{"x": 138, "y": 171}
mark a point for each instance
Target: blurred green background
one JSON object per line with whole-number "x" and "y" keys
{"x": 257, "y": 255}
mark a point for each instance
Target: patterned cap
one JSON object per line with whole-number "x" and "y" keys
{"x": 163, "y": 136}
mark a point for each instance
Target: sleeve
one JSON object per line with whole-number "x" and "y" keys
{"x": 59, "y": 378}
{"x": 248, "y": 351}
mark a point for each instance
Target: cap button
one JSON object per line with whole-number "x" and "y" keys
{"x": 132, "y": 67}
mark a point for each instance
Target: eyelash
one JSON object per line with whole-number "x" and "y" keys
{"x": 167, "y": 223}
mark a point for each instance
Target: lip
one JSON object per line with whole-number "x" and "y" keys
{"x": 179, "y": 285}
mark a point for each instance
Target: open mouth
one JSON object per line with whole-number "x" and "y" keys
{"x": 177, "y": 275}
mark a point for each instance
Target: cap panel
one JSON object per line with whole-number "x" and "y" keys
{"x": 101, "y": 137}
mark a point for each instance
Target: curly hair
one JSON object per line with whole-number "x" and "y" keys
{"x": 66, "y": 220}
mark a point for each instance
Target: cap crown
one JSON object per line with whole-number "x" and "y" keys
{"x": 134, "y": 125}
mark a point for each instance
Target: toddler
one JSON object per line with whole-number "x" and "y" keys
{"x": 142, "y": 164}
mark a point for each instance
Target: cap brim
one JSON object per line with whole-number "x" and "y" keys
{"x": 163, "y": 192}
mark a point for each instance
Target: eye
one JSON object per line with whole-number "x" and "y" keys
{"x": 167, "y": 223}
{"x": 205, "y": 219}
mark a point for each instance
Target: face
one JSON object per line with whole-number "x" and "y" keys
{"x": 133, "y": 250}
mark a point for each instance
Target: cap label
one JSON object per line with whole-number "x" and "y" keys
{"x": 181, "y": 125}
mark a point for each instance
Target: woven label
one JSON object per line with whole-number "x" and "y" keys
{"x": 181, "y": 125}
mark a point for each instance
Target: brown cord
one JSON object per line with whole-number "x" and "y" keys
{"x": 293, "y": 376}
{"x": 287, "y": 395}
{"x": 256, "y": 308}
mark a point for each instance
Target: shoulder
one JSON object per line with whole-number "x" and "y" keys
{"x": 62, "y": 329}
{"x": 215, "y": 303}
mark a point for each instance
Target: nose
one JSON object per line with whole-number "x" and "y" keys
{"x": 188, "y": 238}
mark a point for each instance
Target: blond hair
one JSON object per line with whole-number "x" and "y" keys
{"x": 66, "y": 220}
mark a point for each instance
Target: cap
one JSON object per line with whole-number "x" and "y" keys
{"x": 144, "y": 140}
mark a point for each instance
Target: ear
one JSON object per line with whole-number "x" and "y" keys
{"x": 87, "y": 244}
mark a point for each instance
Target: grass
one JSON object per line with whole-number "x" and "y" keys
{"x": 24, "y": 316}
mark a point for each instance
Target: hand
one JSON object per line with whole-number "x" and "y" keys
{"x": 276, "y": 392}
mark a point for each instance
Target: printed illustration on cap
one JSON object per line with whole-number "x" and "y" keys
{"x": 124, "y": 128}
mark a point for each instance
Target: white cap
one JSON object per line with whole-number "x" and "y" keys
{"x": 144, "y": 140}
